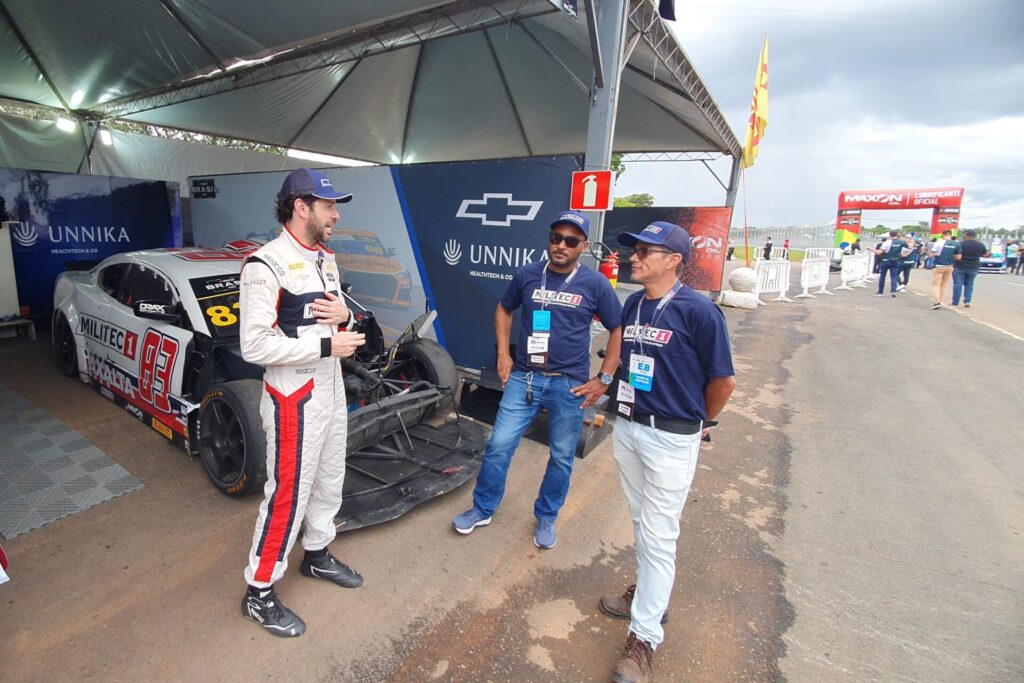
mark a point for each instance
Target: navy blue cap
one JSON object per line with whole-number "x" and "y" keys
{"x": 575, "y": 219}
{"x": 306, "y": 181}
{"x": 668, "y": 235}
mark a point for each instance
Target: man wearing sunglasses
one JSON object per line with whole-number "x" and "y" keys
{"x": 559, "y": 298}
{"x": 676, "y": 376}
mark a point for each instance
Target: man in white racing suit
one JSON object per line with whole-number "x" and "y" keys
{"x": 291, "y": 321}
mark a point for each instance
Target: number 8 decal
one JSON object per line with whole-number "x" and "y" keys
{"x": 157, "y": 364}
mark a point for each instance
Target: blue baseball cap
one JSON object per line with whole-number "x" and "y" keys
{"x": 668, "y": 235}
{"x": 575, "y": 219}
{"x": 306, "y": 181}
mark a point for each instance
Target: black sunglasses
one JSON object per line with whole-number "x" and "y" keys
{"x": 644, "y": 252}
{"x": 570, "y": 241}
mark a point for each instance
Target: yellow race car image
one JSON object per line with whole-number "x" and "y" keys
{"x": 371, "y": 268}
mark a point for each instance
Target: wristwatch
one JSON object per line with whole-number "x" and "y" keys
{"x": 605, "y": 378}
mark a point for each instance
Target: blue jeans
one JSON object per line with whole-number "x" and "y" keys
{"x": 963, "y": 280}
{"x": 886, "y": 268}
{"x": 565, "y": 420}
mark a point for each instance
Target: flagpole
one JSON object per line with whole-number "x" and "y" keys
{"x": 746, "y": 238}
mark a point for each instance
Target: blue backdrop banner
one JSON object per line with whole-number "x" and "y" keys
{"x": 66, "y": 221}
{"x": 473, "y": 224}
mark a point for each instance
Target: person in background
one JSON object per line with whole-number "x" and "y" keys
{"x": 732, "y": 248}
{"x": 1012, "y": 253}
{"x": 929, "y": 256}
{"x": 855, "y": 247}
{"x": 942, "y": 255}
{"x": 890, "y": 252}
{"x": 878, "y": 261}
{"x": 785, "y": 244}
{"x": 768, "y": 248}
{"x": 910, "y": 259}
{"x": 966, "y": 266}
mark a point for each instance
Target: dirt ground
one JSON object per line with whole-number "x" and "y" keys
{"x": 809, "y": 551}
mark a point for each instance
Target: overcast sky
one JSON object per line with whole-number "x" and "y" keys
{"x": 872, "y": 94}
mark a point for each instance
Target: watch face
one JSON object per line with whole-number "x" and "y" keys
{"x": 605, "y": 378}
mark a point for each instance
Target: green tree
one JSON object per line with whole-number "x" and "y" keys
{"x": 617, "y": 165}
{"x": 634, "y": 200}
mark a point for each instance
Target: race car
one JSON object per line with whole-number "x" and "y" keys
{"x": 995, "y": 262}
{"x": 156, "y": 332}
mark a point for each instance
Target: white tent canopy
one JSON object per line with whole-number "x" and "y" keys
{"x": 390, "y": 81}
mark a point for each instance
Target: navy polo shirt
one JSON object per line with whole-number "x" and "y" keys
{"x": 689, "y": 342}
{"x": 944, "y": 254}
{"x": 895, "y": 252}
{"x": 572, "y": 309}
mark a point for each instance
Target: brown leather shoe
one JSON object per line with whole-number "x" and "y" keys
{"x": 636, "y": 663}
{"x": 617, "y": 606}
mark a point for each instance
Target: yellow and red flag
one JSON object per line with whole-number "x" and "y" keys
{"x": 758, "y": 121}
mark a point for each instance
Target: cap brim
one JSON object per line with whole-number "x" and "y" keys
{"x": 572, "y": 225}
{"x": 339, "y": 197}
{"x": 628, "y": 238}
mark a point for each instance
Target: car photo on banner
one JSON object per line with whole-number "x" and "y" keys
{"x": 157, "y": 333}
{"x": 371, "y": 268}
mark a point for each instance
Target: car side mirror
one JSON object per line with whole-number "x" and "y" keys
{"x": 156, "y": 310}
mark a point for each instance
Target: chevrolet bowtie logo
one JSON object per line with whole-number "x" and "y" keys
{"x": 492, "y": 205}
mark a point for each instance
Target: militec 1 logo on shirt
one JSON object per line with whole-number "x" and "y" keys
{"x": 648, "y": 335}
{"x": 550, "y": 296}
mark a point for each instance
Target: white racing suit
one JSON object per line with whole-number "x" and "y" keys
{"x": 303, "y": 406}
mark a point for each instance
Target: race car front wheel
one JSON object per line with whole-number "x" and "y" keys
{"x": 232, "y": 445}
{"x": 425, "y": 360}
{"x": 64, "y": 348}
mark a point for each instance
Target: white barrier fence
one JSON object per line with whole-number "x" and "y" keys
{"x": 870, "y": 275}
{"x": 814, "y": 273}
{"x": 772, "y": 277}
{"x": 819, "y": 252}
{"x": 855, "y": 271}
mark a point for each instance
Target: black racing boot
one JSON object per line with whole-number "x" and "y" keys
{"x": 327, "y": 566}
{"x": 263, "y": 607}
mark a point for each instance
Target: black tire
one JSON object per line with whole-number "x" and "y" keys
{"x": 425, "y": 360}
{"x": 65, "y": 350}
{"x": 232, "y": 444}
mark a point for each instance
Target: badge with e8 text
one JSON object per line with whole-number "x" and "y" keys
{"x": 641, "y": 372}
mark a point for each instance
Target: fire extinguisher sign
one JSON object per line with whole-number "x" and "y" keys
{"x": 591, "y": 191}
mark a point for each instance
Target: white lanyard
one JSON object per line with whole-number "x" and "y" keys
{"x": 544, "y": 284}
{"x": 657, "y": 313}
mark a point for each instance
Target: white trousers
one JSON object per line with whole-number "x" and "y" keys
{"x": 655, "y": 468}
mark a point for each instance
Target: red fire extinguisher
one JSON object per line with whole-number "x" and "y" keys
{"x": 610, "y": 268}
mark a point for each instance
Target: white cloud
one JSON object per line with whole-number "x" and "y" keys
{"x": 863, "y": 95}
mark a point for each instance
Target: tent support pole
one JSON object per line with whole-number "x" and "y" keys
{"x": 341, "y": 82}
{"x": 508, "y": 93}
{"x": 32, "y": 55}
{"x": 611, "y": 31}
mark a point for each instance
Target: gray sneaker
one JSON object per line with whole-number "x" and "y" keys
{"x": 544, "y": 536}
{"x": 469, "y": 520}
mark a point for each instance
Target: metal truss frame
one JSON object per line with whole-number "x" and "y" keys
{"x": 643, "y": 16}
{"x": 354, "y": 43}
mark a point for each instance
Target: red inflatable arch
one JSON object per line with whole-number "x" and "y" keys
{"x": 943, "y": 201}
